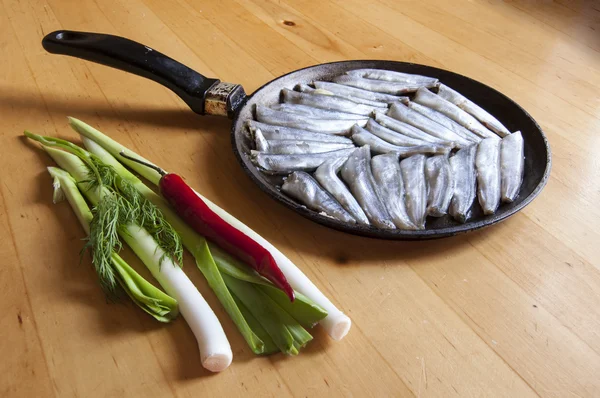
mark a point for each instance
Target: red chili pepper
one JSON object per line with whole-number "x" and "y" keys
{"x": 196, "y": 213}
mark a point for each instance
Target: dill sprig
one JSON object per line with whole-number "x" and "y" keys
{"x": 135, "y": 208}
{"x": 120, "y": 204}
{"x": 104, "y": 239}
{"x": 147, "y": 215}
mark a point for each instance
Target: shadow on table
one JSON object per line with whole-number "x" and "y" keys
{"x": 180, "y": 118}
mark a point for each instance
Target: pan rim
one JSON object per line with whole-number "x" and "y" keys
{"x": 394, "y": 234}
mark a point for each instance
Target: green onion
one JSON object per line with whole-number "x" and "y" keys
{"x": 304, "y": 310}
{"x": 284, "y": 330}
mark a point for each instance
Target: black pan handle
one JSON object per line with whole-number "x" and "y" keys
{"x": 202, "y": 94}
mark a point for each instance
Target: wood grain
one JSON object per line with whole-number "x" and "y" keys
{"x": 512, "y": 310}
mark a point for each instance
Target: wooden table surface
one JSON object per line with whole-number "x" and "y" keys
{"x": 512, "y": 310}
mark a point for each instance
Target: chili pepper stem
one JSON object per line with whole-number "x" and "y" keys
{"x": 152, "y": 166}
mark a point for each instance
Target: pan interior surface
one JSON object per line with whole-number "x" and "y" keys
{"x": 513, "y": 116}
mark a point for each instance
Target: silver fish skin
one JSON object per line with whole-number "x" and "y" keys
{"x": 286, "y": 119}
{"x": 391, "y": 136}
{"x": 291, "y": 147}
{"x": 388, "y": 177}
{"x": 271, "y": 163}
{"x": 325, "y": 92}
{"x": 272, "y": 132}
{"x": 487, "y": 164}
{"x": 327, "y": 176}
{"x": 440, "y": 185}
{"x": 344, "y": 94}
{"x": 391, "y": 76}
{"x": 407, "y": 129}
{"x": 413, "y": 176}
{"x": 316, "y": 113}
{"x": 379, "y": 86}
{"x": 302, "y": 187}
{"x": 473, "y": 109}
{"x": 358, "y": 93}
{"x": 433, "y": 101}
{"x": 445, "y": 121}
{"x": 465, "y": 183}
{"x": 361, "y": 137}
{"x": 512, "y": 164}
{"x": 260, "y": 143}
{"x": 404, "y": 114}
{"x": 356, "y": 172}
{"x": 305, "y": 88}
{"x": 328, "y": 102}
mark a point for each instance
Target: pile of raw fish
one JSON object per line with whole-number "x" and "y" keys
{"x": 381, "y": 158}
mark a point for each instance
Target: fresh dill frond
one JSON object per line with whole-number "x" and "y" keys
{"x": 122, "y": 205}
{"x": 104, "y": 239}
{"x": 164, "y": 234}
{"x": 151, "y": 218}
{"x": 135, "y": 208}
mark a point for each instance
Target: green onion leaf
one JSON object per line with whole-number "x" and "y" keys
{"x": 148, "y": 297}
{"x": 270, "y": 347}
{"x": 233, "y": 267}
{"x": 207, "y": 266}
{"x": 302, "y": 309}
{"x": 300, "y": 335}
{"x": 265, "y": 314}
